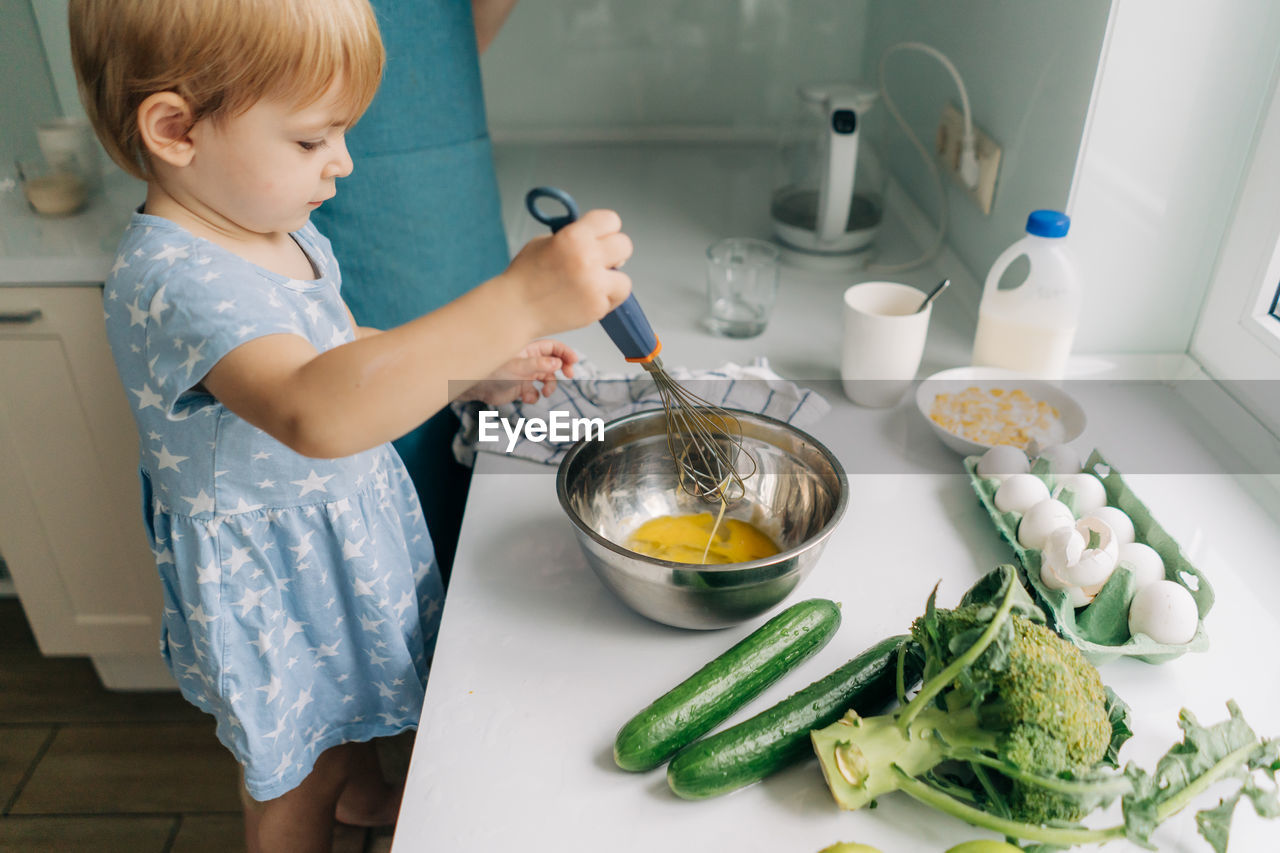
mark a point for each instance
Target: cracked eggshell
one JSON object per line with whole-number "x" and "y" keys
{"x": 1121, "y": 525}
{"x": 1143, "y": 561}
{"x": 1165, "y": 611}
{"x": 1061, "y": 458}
{"x": 1088, "y": 491}
{"x": 1062, "y": 548}
{"x": 1003, "y": 461}
{"x": 1091, "y": 570}
{"x": 1020, "y": 492}
{"x": 1041, "y": 520}
{"x": 1050, "y": 578}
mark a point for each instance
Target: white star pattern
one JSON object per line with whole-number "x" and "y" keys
{"x": 263, "y": 643}
{"x": 137, "y": 317}
{"x": 304, "y": 699}
{"x": 148, "y": 399}
{"x": 200, "y": 503}
{"x": 291, "y": 627}
{"x": 313, "y": 483}
{"x": 211, "y": 573}
{"x": 303, "y": 548}
{"x": 198, "y": 616}
{"x": 194, "y": 357}
{"x": 239, "y": 556}
{"x": 271, "y": 688}
{"x": 251, "y": 599}
{"x": 158, "y": 305}
{"x": 171, "y": 254}
{"x": 165, "y": 459}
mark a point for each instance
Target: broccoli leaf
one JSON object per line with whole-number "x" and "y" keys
{"x": 990, "y": 589}
{"x": 1226, "y": 750}
{"x": 1121, "y": 731}
{"x": 1215, "y": 823}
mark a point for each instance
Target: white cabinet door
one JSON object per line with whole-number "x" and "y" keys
{"x": 71, "y": 526}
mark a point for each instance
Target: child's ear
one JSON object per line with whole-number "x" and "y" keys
{"x": 164, "y": 121}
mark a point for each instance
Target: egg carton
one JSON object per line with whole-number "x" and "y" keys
{"x": 1101, "y": 628}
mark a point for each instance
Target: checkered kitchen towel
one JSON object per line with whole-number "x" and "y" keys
{"x": 591, "y": 394}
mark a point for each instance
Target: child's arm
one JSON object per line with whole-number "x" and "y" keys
{"x": 380, "y": 386}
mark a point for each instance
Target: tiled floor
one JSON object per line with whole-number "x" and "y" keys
{"x": 83, "y": 768}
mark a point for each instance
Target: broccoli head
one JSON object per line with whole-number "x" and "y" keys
{"x": 1044, "y": 702}
{"x": 1010, "y": 715}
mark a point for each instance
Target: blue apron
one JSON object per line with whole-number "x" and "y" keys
{"x": 418, "y": 223}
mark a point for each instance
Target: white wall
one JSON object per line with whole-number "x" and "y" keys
{"x": 1029, "y": 67}
{"x": 1179, "y": 99}
{"x": 27, "y": 95}
{"x": 582, "y": 68}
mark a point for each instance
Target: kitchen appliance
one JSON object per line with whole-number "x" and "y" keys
{"x": 611, "y": 485}
{"x": 829, "y": 200}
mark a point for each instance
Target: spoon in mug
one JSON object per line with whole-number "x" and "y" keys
{"x": 933, "y": 294}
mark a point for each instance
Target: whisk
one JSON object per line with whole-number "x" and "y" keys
{"x": 705, "y": 440}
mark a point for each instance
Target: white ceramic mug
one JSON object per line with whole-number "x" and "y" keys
{"x": 883, "y": 341}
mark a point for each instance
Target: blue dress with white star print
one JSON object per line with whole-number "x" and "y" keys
{"x": 301, "y": 595}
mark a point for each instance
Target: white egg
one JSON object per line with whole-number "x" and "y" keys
{"x": 1165, "y": 611}
{"x": 1061, "y": 458}
{"x": 1119, "y": 523}
{"x": 1143, "y": 561}
{"x": 1087, "y": 492}
{"x": 1041, "y": 520}
{"x": 1020, "y": 492}
{"x": 1003, "y": 461}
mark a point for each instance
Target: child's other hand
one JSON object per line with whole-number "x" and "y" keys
{"x": 519, "y": 378}
{"x": 571, "y": 279}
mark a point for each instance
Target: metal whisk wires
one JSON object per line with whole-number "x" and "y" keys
{"x": 705, "y": 441}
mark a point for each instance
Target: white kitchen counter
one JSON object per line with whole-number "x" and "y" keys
{"x": 537, "y": 664}
{"x": 76, "y": 249}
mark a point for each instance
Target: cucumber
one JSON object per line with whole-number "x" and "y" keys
{"x": 779, "y": 736}
{"x": 705, "y": 699}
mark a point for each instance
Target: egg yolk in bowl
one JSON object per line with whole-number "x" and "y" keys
{"x": 697, "y": 538}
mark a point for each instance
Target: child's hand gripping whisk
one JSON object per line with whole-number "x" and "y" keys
{"x": 705, "y": 440}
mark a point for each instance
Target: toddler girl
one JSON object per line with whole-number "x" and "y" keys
{"x": 301, "y": 592}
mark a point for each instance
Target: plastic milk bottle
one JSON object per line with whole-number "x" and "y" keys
{"x": 1030, "y": 328}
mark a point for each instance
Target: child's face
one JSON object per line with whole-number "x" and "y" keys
{"x": 267, "y": 168}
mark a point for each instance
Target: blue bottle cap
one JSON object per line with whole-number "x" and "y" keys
{"x": 1048, "y": 223}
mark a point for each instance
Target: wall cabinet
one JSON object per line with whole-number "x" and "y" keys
{"x": 71, "y": 528}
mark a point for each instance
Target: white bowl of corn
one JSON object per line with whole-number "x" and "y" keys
{"x": 972, "y": 409}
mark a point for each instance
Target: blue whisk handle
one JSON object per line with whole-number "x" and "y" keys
{"x": 627, "y": 325}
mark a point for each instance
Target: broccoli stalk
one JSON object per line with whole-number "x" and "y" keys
{"x": 1013, "y": 731}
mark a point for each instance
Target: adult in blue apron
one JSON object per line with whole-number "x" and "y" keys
{"x": 418, "y": 223}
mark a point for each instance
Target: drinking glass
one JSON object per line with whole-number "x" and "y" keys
{"x": 742, "y": 285}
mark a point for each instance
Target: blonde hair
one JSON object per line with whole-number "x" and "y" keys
{"x": 221, "y": 56}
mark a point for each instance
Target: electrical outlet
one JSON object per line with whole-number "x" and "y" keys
{"x": 947, "y": 147}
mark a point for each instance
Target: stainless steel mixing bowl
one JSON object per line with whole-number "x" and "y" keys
{"x": 610, "y": 487}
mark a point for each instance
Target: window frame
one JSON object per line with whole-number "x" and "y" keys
{"x": 1237, "y": 338}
